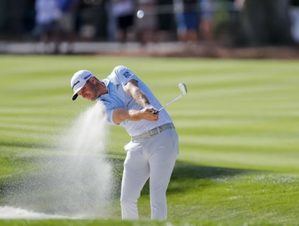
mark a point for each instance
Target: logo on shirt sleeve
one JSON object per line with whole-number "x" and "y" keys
{"x": 127, "y": 74}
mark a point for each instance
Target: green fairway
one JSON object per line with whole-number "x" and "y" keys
{"x": 238, "y": 128}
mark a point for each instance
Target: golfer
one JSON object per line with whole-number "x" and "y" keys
{"x": 153, "y": 149}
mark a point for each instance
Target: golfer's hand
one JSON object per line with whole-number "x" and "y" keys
{"x": 149, "y": 113}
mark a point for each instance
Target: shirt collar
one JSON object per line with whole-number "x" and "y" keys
{"x": 106, "y": 82}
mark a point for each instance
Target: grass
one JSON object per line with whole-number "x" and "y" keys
{"x": 238, "y": 128}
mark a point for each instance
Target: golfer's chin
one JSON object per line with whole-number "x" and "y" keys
{"x": 90, "y": 98}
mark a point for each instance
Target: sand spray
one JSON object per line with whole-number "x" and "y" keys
{"x": 73, "y": 180}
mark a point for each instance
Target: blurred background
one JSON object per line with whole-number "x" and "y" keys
{"x": 64, "y": 26}
{"x": 238, "y": 125}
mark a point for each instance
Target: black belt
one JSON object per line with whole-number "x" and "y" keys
{"x": 154, "y": 131}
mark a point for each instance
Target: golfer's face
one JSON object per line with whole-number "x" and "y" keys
{"x": 88, "y": 91}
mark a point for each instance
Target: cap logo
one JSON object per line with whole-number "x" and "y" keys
{"x": 86, "y": 77}
{"x": 75, "y": 84}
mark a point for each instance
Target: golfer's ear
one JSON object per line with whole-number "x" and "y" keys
{"x": 93, "y": 80}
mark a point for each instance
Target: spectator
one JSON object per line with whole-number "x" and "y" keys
{"x": 123, "y": 11}
{"x": 191, "y": 20}
{"x": 206, "y": 16}
{"x": 147, "y": 20}
{"x": 67, "y": 21}
{"x": 187, "y": 20}
{"x": 47, "y": 17}
{"x": 180, "y": 22}
{"x": 111, "y": 23}
{"x": 294, "y": 14}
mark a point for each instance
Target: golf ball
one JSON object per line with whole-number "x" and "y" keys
{"x": 140, "y": 14}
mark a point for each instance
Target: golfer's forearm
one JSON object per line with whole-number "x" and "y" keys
{"x": 120, "y": 115}
{"x": 140, "y": 98}
{"x": 133, "y": 89}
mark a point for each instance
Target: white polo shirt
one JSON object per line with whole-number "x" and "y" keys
{"x": 118, "y": 98}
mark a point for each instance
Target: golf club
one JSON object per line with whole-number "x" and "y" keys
{"x": 183, "y": 90}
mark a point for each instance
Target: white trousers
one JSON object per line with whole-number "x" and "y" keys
{"x": 152, "y": 158}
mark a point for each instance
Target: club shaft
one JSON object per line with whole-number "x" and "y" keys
{"x": 170, "y": 102}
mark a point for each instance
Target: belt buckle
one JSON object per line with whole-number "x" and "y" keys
{"x": 152, "y": 132}
{"x": 159, "y": 129}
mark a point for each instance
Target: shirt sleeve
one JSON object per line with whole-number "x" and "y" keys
{"x": 124, "y": 75}
{"x": 109, "y": 108}
{"x": 110, "y": 116}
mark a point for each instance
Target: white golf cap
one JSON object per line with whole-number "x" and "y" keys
{"x": 78, "y": 80}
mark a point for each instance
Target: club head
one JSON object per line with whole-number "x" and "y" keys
{"x": 183, "y": 88}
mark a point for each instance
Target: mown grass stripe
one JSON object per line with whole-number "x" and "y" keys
{"x": 238, "y": 129}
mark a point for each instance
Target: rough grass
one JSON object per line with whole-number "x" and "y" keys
{"x": 238, "y": 128}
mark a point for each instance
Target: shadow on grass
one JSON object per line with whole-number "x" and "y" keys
{"x": 186, "y": 176}
{"x": 189, "y": 176}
